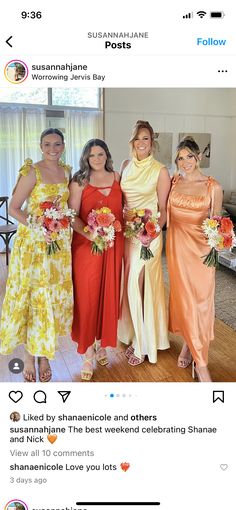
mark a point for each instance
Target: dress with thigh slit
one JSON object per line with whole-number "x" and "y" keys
{"x": 143, "y": 318}
{"x": 96, "y": 278}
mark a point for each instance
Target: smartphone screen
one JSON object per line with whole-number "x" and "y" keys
{"x": 117, "y": 255}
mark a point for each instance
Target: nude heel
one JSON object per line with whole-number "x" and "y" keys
{"x": 202, "y": 373}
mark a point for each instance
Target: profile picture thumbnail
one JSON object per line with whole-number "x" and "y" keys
{"x": 16, "y": 504}
{"x": 15, "y": 416}
{"x": 16, "y": 71}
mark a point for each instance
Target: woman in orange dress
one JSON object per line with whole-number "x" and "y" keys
{"x": 193, "y": 198}
{"x": 96, "y": 278}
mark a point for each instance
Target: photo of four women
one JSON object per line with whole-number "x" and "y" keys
{"x": 99, "y": 288}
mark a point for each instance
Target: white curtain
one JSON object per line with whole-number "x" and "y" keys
{"x": 20, "y": 130}
{"x": 80, "y": 127}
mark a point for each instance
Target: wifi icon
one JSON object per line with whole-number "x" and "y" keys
{"x": 201, "y": 14}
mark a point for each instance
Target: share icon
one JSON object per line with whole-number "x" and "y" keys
{"x": 64, "y": 395}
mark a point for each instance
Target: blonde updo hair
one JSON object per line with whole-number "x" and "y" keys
{"x": 190, "y": 145}
{"x": 142, "y": 124}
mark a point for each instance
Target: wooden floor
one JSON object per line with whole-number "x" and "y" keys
{"x": 67, "y": 364}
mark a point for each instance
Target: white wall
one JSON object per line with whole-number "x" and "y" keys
{"x": 176, "y": 110}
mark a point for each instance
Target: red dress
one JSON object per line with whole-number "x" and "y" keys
{"x": 96, "y": 278}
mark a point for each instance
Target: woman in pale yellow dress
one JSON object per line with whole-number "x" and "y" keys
{"x": 38, "y": 303}
{"x": 145, "y": 184}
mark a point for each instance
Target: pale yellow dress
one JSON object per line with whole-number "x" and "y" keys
{"x": 147, "y": 331}
{"x": 38, "y": 303}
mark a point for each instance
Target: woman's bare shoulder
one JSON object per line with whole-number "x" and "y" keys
{"x": 124, "y": 164}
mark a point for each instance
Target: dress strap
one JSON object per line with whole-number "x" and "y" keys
{"x": 174, "y": 181}
{"x": 67, "y": 170}
{"x": 210, "y": 191}
{"x": 38, "y": 174}
{"x": 24, "y": 170}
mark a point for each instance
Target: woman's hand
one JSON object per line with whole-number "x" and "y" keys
{"x": 47, "y": 237}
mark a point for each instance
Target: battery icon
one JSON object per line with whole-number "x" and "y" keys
{"x": 217, "y": 14}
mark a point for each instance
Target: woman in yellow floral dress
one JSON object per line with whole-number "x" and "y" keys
{"x": 38, "y": 303}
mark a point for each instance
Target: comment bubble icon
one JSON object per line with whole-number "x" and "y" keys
{"x": 40, "y": 397}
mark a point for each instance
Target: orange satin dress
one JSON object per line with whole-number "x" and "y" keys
{"x": 96, "y": 278}
{"x": 192, "y": 283}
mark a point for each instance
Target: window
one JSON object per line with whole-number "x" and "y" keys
{"x": 54, "y": 97}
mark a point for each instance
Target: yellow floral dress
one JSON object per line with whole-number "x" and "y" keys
{"x": 38, "y": 303}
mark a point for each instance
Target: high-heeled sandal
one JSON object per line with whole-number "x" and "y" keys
{"x": 101, "y": 356}
{"x": 197, "y": 372}
{"x": 129, "y": 352}
{"x": 87, "y": 373}
{"x": 184, "y": 361}
{"x": 134, "y": 360}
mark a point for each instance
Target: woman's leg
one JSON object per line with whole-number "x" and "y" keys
{"x": 185, "y": 357}
{"x": 29, "y": 371}
{"x": 202, "y": 373}
{"x": 45, "y": 373}
{"x": 134, "y": 360}
{"x": 101, "y": 353}
{"x": 87, "y": 368}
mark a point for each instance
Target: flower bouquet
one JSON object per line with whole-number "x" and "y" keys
{"x": 102, "y": 225}
{"x": 142, "y": 225}
{"x": 51, "y": 220}
{"x": 220, "y": 236}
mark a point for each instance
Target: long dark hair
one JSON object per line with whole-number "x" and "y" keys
{"x": 83, "y": 175}
{"x": 51, "y": 131}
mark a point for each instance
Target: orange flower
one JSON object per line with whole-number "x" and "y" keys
{"x": 117, "y": 226}
{"x": 151, "y": 229}
{"x": 226, "y": 226}
{"x": 103, "y": 220}
{"x": 46, "y": 205}
{"x": 48, "y": 222}
{"x": 64, "y": 222}
{"x": 227, "y": 241}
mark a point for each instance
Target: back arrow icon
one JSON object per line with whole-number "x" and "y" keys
{"x": 7, "y": 41}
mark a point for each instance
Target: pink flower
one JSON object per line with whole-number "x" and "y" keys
{"x": 144, "y": 239}
{"x": 148, "y": 214}
{"x": 91, "y": 218}
{"x": 53, "y": 226}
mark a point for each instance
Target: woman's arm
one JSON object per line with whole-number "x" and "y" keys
{"x": 117, "y": 176}
{"x": 22, "y": 191}
{"x": 123, "y": 166}
{"x": 74, "y": 203}
{"x": 163, "y": 189}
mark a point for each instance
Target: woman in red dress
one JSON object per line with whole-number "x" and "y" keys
{"x": 96, "y": 278}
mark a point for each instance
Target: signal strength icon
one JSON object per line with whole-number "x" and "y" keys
{"x": 189, "y": 15}
{"x": 201, "y": 14}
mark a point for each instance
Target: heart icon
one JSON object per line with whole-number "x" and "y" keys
{"x": 224, "y": 467}
{"x": 125, "y": 466}
{"x": 15, "y": 396}
{"x": 52, "y": 438}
